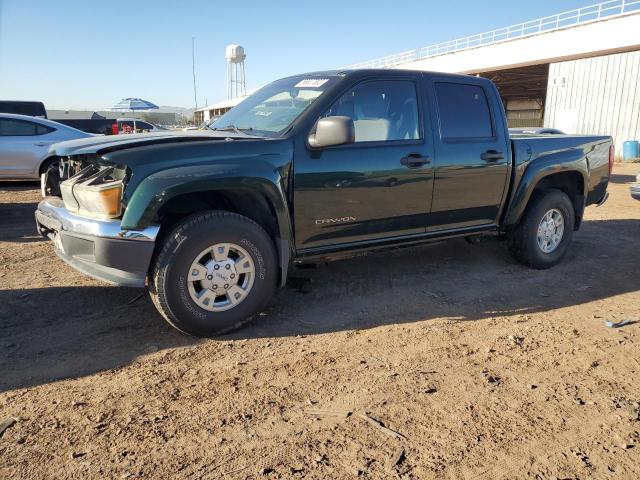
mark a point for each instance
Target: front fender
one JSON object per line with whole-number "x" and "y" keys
{"x": 570, "y": 160}
{"x": 158, "y": 188}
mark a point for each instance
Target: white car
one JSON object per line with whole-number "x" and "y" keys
{"x": 134, "y": 125}
{"x": 25, "y": 142}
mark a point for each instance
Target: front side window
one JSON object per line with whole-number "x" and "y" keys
{"x": 142, "y": 127}
{"x": 273, "y": 108}
{"x": 381, "y": 110}
{"x": 126, "y": 126}
{"x": 464, "y": 111}
{"x": 10, "y": 127}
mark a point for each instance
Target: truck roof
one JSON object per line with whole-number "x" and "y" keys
{"x": 375, "y": 71}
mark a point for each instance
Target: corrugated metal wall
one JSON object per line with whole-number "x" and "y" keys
{"x": 599, "y": 95}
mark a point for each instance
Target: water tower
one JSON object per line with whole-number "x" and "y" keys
{"x": 236, "y": 85}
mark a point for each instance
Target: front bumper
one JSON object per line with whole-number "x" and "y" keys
{"x": 99, "y": 248}
{"x": 635, "y": 191}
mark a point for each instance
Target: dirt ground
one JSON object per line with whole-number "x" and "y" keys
{"x": 444, "y": 361}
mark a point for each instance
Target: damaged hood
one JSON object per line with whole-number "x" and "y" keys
{"x": 111, "y": 143}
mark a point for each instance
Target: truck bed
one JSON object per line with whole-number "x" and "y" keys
{"x": 589, "y": 152}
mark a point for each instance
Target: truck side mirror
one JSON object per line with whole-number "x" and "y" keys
{"x": 331, "y": 131}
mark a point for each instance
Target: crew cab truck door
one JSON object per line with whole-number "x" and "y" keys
{"x": 473, "y": 158}
{"x": 377, "y": 187}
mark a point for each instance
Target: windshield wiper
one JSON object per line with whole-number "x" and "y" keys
{"x": 232, "y": 128}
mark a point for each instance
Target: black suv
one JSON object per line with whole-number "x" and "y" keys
{"x": 33, "y": 109}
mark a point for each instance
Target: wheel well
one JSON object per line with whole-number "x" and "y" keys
{"x": 246, "y": 203}
{"x": 45, "y": 164}
{"x": 571, "y": 183}
{"x": 243, "y": 202}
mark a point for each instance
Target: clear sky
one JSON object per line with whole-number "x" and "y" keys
{"x": 76, "y": 54}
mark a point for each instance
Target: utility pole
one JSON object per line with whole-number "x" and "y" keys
{"x": 193, "y": 67}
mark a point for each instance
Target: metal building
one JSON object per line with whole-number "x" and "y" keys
{"x": 578, "y": 71}
{"x": 599, "y": 94}
{"x": 211, "y": 112}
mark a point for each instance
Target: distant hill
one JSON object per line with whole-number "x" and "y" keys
{"x": 187, "y": 112}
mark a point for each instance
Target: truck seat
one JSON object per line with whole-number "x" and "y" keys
{"x": 371, "y": 116}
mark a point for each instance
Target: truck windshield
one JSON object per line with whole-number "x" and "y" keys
{"x": 273, "y": 108}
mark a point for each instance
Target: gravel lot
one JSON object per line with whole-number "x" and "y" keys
{"x": 444, "y": 361}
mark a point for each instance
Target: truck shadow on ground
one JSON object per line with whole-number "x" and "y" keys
{"x": 622, "y": 179}
{"x": 17, "y": 222}
{"x": 53, "y": 333}
{"x": 67, "y": 332}
{"x": 19, "y": 185}
{"x": 453, "y": 280}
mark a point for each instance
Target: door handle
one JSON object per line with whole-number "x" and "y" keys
{"x": 492, "y": 156}
{"x": 42, "y": 144}
{"x": 415, "y": 160}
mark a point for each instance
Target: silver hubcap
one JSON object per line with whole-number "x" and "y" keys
{"x": 550, "y": 231}
{"x": 221, "y": 277}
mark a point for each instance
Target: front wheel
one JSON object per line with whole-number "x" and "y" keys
{"x": 545, "y": 231}
{"x": 214, "y": 272}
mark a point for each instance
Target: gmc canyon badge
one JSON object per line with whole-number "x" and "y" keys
{"x": 326, "y": 221}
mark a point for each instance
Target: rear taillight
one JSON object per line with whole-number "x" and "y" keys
{"x": 612, "y": 154}
{"x": 114, "y": 128}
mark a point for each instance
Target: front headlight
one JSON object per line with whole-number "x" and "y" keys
{"x": 94, "y": 192}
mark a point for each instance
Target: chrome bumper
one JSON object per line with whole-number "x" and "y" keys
{"x": 99, "y": 248}
{"x": 52, "y": 210}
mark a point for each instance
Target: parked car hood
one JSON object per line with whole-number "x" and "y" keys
{"x": 110, "y": 143}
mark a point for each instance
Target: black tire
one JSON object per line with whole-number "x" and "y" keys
{"x": 168, "y": 280}
{"x": 523, "y": 240}
{"x": 51, "y": 167}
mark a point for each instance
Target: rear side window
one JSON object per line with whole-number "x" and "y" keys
{"x": 464, "y": 111}
{"x": 10, "y": 127}
{"x": 42, "y": 129}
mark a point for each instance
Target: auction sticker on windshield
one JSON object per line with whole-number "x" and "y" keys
{"x": 311, "y": 83}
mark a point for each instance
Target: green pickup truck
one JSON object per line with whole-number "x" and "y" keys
{"x": 312, "y": 168}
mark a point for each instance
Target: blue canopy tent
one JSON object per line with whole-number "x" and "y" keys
{"x": 132, "y": 105}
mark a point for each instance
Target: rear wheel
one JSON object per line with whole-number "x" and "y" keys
{"x": 214, "y": 272}
{"x": 545, "y": 231}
